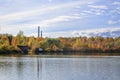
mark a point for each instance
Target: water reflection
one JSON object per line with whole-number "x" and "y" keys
{"x": 37, "y": 68}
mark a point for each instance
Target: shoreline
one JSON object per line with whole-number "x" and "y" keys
{"x": 59, "y": 53}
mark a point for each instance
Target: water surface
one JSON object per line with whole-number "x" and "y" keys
{"x": 59, "y": 68}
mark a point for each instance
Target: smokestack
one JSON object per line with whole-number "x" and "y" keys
{"x": 41, "y": 34}
{"x": 38, "y": 31}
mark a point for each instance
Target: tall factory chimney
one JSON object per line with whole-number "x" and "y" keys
{"x": 38, "y": 31}
{"x": 41, "y": 34}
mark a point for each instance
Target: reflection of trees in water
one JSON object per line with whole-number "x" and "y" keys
{"x": 19, "y": 67}
{"x": 26, "y": 68}
{"x": 41, "y": 68}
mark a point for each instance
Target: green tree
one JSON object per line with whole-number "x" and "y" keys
{"x": 21, "y": 38}
{"x": 51, "y": 44}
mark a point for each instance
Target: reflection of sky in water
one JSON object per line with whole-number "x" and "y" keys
{"x": 26, "y": 68}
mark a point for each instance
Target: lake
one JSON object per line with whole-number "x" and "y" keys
{"x": 60, "y": 68}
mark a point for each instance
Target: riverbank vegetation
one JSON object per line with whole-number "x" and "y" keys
{"x": 9, "y": 43}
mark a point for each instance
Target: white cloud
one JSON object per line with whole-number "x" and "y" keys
{"x": 14, "y": 29}
{"x": 38, "y": 11}
{"x": 44, "y": 24}
{"x": 58, "y": 19}
{"x": 94, "y": 12}
{"x": 88, "y": 11}
{"x": 50, "y": 0}
{"x": 72, "y": 33}
{"x": 11, "y": 0}
{"x": 98, "y": 6}
{"x": 113, "y": 22}
{"x": 116, "y": 3}
{"x": 57, "y": 34}
{"x": 78, "y": 33}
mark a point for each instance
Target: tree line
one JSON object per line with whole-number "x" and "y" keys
{"x": 9, "y": 43}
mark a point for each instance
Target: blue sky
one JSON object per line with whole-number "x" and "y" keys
{"x": 59, "y": 17}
